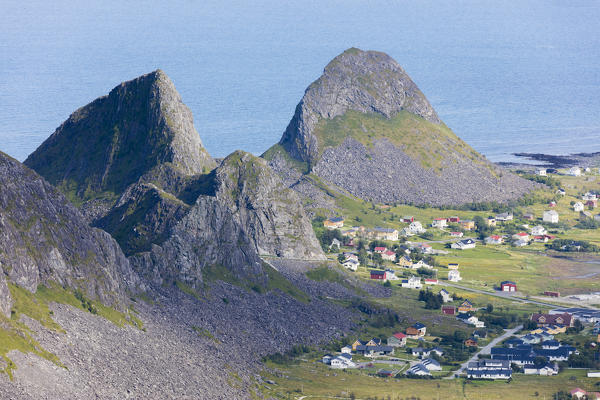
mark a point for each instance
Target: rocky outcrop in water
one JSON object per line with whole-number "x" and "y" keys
{"x": 365, "y": 127}
{"x": 44, "y": 238}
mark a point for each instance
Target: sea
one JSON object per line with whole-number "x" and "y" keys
{"x": 507, "y": 77}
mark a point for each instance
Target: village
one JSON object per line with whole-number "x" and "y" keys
{"x": 457, "y": 264}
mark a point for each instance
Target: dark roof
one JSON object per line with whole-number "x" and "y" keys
{"x": 464, "y": 316}
{"x": 418, "y": 325}
{"x": 508, "y": 283}
{"x": 374, "y": 348}
{"x": 336, "y": 219}
{"x": 377, "y": 272}
{"x": 498, "y": 371}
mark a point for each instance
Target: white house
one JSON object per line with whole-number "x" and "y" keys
{"x": 538, "y": 230}
{"x": 388, "y": 255}
{"x": 578, "y": 207}
{"x": 439, "y": 223}
{"x": 561, "y": 192}
{"x": 418, "y": 370}
{"x": 346, "y": 349}
{"x": 521, "y": 236}
{"x": 550, "y": 216}
{"x": 431, "y": 364}
{"x": 351, "y": 264}
{"x": 463, "y": 244}
{"x": 414, "y": 282}
{"x": 415, "y": 228}
{"x": 589, "y": 196}
{"x": 546, "y": 370}
{"x": 342, "y": 362}
{"x": 454, "y": 275}
{"x": 446, "y": 298}
{"x": 336, "y": 243}
{"x": 504, "y": 217}
{"x": 494, "y": 239}
{"x": 391, "y": 275}
{"x": 421, "y": 264}
{"x": 541, "y": 172}
{"x": 574, "y": 171}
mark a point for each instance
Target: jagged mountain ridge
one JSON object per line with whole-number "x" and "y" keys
{"x": 44, "y": 238}
{"x": 140, "y": 129}
{"x": 168, "y": 212}
{"x": 365, "y": 127}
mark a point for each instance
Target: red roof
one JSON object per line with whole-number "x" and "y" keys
{"x": 440, "y": 219}
{"x": 580, "y": 390}
{"x": 431, "y": 280}
{"x": 380, "y": 249}
{"x": 399, "y": 335}
{"x": 455, "y": 233}
{"x": 522, "y": 234}
{"x": 389, "y": 253}
{"x": 496, "y": 237}
{"x": 550, "y": 236}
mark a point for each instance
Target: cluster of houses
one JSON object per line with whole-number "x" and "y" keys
{"x": 463, "y": 312}
{"x": 374, "y": 347}
{"x": 527, "y": 350}
{"x": 573, "y": 171}
{"x": 489, "y": 369}
{"x": 537, "y": 234}
{"x": 442, "y": 223}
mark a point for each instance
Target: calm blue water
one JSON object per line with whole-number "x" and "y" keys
{"x": 524, "y": 77}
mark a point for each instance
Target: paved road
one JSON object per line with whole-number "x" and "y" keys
{"x": 485, "y": 350}
{"x": 507, "y": 296}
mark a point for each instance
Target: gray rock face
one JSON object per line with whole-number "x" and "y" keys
{"x": 44, "y": 238}
{"x": 245, "y": 212}
{"x": 395, "y": 175}
{"x": 110, "y": 143}
{"x": 364, "y": 81}
{"x": 365, "y": 128}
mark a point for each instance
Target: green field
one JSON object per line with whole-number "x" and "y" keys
{"x": 316, "y": 381}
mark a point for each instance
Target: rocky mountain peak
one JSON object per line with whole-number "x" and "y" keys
{"x": 107, "y": 145}
{"x": 364, "y": 126}
{"x": 357, "y": 80}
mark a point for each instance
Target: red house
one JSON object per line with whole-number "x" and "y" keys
{"x": 376, "y": 274}
{"x": 380, "y": 250}
{"x": 454, "y": 219}
{"x": 592, "y": 203}
{"x": 449, "y": 310}
{"x": 508, "y": 286}
{"x": 408, "y": 220}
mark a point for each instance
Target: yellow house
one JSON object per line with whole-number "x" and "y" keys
{"x": 465, "y": 307}
{"x": 405, "y": 262}
{"x": 467, "y": 224}
{"x": 334, "y": 223}
{"x": 491, "y": 221}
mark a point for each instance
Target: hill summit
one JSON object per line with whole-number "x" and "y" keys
{"x": 364, "y": 126}
{"x": 140, "y": 128}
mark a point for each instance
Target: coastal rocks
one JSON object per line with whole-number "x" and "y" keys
{"x": 110, "y": 143}
{"x": 44, "y": 238}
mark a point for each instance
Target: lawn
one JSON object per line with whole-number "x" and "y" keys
{"x": 318, "y": 381}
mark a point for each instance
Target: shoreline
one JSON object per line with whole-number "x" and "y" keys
{"x": 554, "y": 161}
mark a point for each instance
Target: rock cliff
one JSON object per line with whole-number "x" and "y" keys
{"x": 365, "y": 127}
{"x": 243, "y": 212}
{"x": 44, "y": 238}
{"x": 102, "y": 148}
